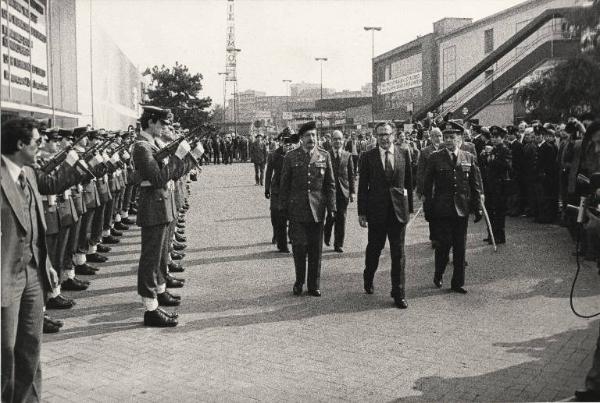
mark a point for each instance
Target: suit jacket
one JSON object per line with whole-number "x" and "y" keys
{"x": 516, "y": 149}
{"x": 423, "y": 160}
{"x": 374, "y": 192}
{"x": 273, "y": 175}
{"x": 14, "y": 225}
{"x": 156, "y": 197}
{"x": 451, "y": 190}
{"x": 343, "y": 172}
{"x": 307, "y": 185}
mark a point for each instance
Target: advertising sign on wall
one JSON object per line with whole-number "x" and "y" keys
{"x": 400, "y": 83}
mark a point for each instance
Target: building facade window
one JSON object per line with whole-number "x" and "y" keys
{"x": 488, "y": 40}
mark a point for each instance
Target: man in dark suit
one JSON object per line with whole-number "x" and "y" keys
{"x": 547, "y": 176}
{"x": 216, "y": 149}
{"x": 156, "y": 210}
{"x": 343, "y": 171}
{"x": 352, "y": 146}
{"x": 517, "y": 191}
{"x": 452, "y": 189}
{"x": 383, "y": 187}
{"x": 272, "y": 184}
{"x": 496, "y": 168}
{"x": 307, "y": 190}
{"x": 25, "y": 275}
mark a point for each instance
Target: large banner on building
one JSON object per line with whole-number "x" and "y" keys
{"x": 400, "y": 83}
{"x": 24, "y": 49}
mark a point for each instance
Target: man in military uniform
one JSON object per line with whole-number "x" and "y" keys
{"x": 307, "y": 190}
{"x": 343, "y": 172}
{"x": 496, "y": 168}
{"x": 156, "y": 211}
{"x": 455, "y": 176}
{"x": 435, "y": 138}
{"x": 272, "y": 184}
{"x": 258, "y": 156}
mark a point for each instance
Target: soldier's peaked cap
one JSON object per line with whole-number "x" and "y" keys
{"x": 312, "y": 125}
{"x": 452, "y": 127}
{"x": 154, "y": 112}
{"x": 497, "y": 131}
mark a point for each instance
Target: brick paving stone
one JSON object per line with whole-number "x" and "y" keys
{"x": 244, "y": 337}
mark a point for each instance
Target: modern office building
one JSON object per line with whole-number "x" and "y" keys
{"x": 58, "y": 69}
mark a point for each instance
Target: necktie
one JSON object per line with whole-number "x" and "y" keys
{"x": 453, "y": 159}
{"x": 389, "y": 171}
{"x": 24, "y": 189}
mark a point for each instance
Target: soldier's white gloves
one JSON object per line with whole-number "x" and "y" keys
{"x": 182, "y": 150}
{"x": 126, "y": 156}
{"x": 72, "y": 157}
{"x": 198, "y": 151}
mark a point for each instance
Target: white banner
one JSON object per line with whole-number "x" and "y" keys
{"x": 400, "y": 83}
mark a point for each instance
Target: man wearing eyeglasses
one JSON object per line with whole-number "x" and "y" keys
{"x": 25, "y": 275}
{"x": 383, "y": 187}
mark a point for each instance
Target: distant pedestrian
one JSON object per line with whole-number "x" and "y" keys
{"x": 258, "y": 156}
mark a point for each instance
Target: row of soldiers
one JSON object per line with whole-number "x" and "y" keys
{"x": 66, "y": 196}
{"x": 88, "y": 217}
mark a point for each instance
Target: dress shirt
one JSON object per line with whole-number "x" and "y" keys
{"x": 13, "y": 169}
{"x": 382, "y": 155}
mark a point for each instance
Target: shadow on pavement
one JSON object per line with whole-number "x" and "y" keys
{"x": 549, "y": 377}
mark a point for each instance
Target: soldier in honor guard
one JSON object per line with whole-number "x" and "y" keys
{"x": 272, "y": 184}
{"x": 307, "y": 190}
{"x": 496, "y": 168}
{"x": 452, "y": 189}
{"x": 384, "y": 186}
{"x": 26, "y": 276}
{"x": 57, "y": 225}
{"x": 343, "y": 172}
{"x": 156, "y": 210}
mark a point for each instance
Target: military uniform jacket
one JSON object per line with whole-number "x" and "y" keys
{"x": 258, "y": 152}
{"x": 496, "y": 171}
{"x": 307, "y": 185}
{"x": 156, "y": 201}
{"x": 14, "y": 223}
{"x": 451, "y": 190}
{"x": 273, "y": 175}
{"x": 375, "y": 193}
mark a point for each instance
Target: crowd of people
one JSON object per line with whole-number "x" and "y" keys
{"x": 70, "y": 194}
{"x": 453, "y": 169}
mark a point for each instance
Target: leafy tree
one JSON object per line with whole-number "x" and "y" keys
{"x": 177, "y": 89}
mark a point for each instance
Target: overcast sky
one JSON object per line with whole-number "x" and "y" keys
{"x": 279, "y": 38}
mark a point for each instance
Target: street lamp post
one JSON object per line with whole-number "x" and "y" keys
{"x": 321, "y": 60}
{"x": 235, "y": 101}
{"x": 287, "y": 93}
{"x": 372, "y": 29}
{"x": 224, "y": 74}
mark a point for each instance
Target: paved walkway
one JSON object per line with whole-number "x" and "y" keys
{"x": 243, "y": 336}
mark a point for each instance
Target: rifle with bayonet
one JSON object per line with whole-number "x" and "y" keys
{"x": 59, "y": 157}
